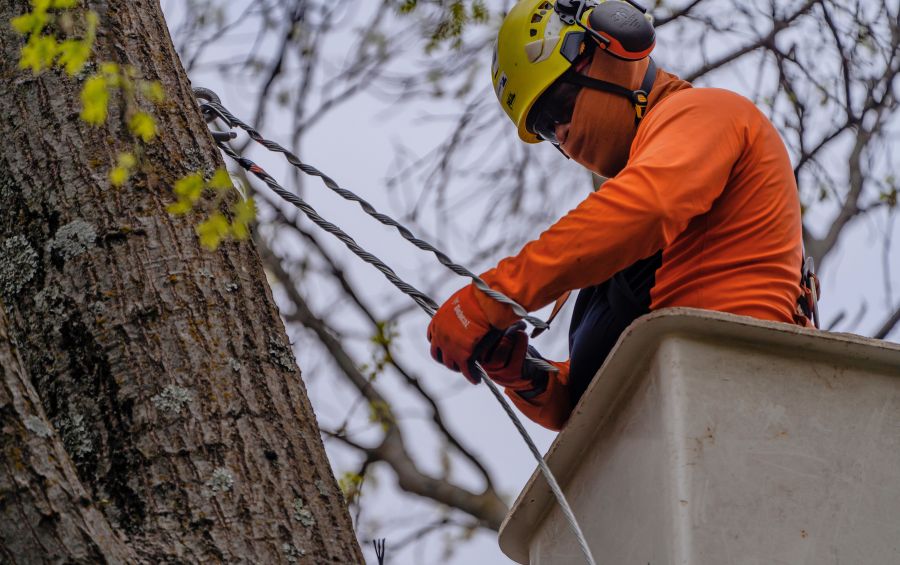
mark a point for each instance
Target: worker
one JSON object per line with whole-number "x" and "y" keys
{"x": 700, "y": 208}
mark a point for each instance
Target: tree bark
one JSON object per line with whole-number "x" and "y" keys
{"x": 162, "y": 369}
{"x": 46, "y": 510}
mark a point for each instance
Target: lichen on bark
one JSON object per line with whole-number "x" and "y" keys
{"x": 18, "y": 264}
{"x": 73, "y": 239}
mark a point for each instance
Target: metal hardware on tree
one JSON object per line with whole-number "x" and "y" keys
{"x": 214, "y": 105}
{"x": 212, "y": 108}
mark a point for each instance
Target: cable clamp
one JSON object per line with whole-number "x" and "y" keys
{"x": 210, "y": 114}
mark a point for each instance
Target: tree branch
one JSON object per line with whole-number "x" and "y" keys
{"x": 487, "y": 506}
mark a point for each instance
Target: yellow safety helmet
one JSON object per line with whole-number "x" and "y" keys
{"x": 539, "y": 41}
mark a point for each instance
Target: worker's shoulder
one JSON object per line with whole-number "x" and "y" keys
{"x": 712, "y": 102}
{"x": 693, "y": 111}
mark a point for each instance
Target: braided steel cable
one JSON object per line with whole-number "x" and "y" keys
{"x": 423, "y": 300}
{"x": 232, "y": 121}
{"x": 568, "y": 514}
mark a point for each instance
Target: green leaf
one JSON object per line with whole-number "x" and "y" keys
{"x": 122, "y": 171}
{"x": 95, "y": 100}
{"x": 245, "y": 211}
{"x": 38, "y": 53}
{"x": 190, "y": 187}
{"x": 73, "y": 54}
{"x": 350, "y": 484}
{"x": 153, "y": 91}
{"x": 92, "y": 20}
{"x": 480, "y": 12}
{"x": 244, "y": 214}
{"x": 143, "y": 125}
{"x": 30, "y": 23}
{"x": 180, "y": 208}
{"x": 221, "y": 180}
{"x": 63, "y": 4}
{"x": 111, "y": 70}
{"x": 119, "y": 176}
{"x": 127, "y": 160}
{"x": 213, "y": 231}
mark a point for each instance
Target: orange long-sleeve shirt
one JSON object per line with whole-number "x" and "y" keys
{"x": 709, "y": 182}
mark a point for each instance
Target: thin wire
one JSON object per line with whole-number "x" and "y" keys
{"x": 545, "y": 470}
{"x": 420, "y": 297}
{"x": 233, "y": 121}
{"x": 423, "y": 300}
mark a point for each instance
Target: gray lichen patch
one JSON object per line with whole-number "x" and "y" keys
{"x": 173, "y": 399}
{"x": 291, "y": 553}
{"x": 18, "y": 264}
{"x": 37, "y": 426}
{"x": 322, "y": 487}
{"x": 75, "y": 436}
{"x": 73, "y": 239}
{"x": 302, "y": 513}
{"x": 222, "y": 480}
{"x": 234, "y": 364}
{"x": 50, "y": 302}
{"x": 281, "y": 354}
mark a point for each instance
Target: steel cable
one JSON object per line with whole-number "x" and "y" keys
{"x": 232, "y": 121}
{"x": 212, "y": 108}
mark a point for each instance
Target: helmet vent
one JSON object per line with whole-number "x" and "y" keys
{"x": 532, "y": 32}
{"x": 536, "y": 18}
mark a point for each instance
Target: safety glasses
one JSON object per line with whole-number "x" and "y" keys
{"x": 554, "y": 107}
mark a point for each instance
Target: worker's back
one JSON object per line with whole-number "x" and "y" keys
{"x": 743, "y": 255}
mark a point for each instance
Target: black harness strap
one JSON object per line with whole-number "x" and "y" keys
{"x": 637, "y": 97}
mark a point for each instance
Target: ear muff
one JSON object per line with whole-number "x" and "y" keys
{"x": 620, "y": 27}
{"x": 629, "y": 33}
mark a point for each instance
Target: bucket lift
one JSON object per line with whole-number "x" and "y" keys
{"x": 713, "y": 439}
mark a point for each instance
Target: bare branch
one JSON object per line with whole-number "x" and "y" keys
{"x": 766, "y": 40}
{"x": 486, "y": 506}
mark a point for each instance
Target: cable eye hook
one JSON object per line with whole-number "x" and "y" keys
{"x": 210, "y": 113}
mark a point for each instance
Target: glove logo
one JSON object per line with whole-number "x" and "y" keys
{"x": 460, "y": 315}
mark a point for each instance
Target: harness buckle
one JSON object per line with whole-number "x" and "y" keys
{"x": 639, "y": 97}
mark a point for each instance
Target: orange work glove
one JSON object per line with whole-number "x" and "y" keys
{"x": 456, "y": 330}
{"x": 505, "y": 361}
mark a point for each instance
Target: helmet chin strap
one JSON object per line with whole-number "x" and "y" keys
{"x": 637, "y": 97}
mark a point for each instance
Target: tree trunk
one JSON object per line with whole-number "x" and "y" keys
{"x": 154, "y": 411}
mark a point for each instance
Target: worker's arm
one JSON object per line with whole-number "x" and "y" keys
{"x": 680, "y": 162}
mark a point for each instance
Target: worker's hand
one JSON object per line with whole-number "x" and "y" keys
{"x": 456, "y": 330}
{"x": 504, "y": 359}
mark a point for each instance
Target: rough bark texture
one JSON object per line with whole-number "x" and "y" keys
{"x": 49, "y": 513}
{"x": 163, "y": 368}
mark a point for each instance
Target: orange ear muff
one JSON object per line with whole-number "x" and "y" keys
{"x": 630, "y": 34}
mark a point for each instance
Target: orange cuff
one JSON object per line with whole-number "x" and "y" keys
{"x": 552, "y": 407}
{"x": 500, "y": 315}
